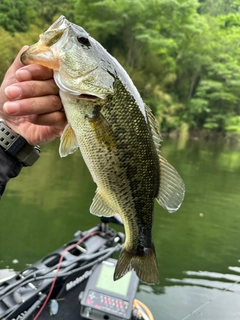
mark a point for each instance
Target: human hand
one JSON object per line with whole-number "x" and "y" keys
{"x": 29, "y": 102}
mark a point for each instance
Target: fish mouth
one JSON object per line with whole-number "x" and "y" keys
{"x": 43, "y": 52}
{"x": 40, "y": 54}
{"x": 85, "y": 96}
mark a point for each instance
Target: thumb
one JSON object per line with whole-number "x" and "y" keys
{"x": 17, "y": 64}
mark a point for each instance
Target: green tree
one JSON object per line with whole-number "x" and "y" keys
{"x": 14, "y": 15}
{"x": 45, "y": 11}
{"x": 183, "y": 55}
{"x": 217, "y": 96}
{"x": 219, "y": 7}
{"x": 179, "y": 59}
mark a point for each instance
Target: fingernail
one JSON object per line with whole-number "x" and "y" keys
{"x": 23, "y": 75}
{"x": 10, "y": 107}
{"x": 13, "y": 92}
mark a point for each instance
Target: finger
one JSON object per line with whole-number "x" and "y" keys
{"x": 28, "y": 89}
{"x": 33, "y": 106}
{"x": 17, "y": 62}
{"x": 57, "y": 120}
{"x": 10, "y": 76}
{"x": 40, "y": 129}
{"x": 34, "y": 72}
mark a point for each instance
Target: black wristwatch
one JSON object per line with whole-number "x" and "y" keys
{"x": 17, "y": 146}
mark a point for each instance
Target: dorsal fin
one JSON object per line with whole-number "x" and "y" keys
{"x": 154, "y": 128}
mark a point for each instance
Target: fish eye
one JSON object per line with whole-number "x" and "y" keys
{"x": 83, "y": 41}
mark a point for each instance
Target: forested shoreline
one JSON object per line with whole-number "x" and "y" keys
{"x": 183, "y": 55}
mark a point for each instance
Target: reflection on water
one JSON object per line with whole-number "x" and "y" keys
{"x": 198, "y": 295}
{"x": 225, "y": 283}
{"x": 211, "y": 282}
{"x": 43, "y": 207}
{"x": 198, "y": 278}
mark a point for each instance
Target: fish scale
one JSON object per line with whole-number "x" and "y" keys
{"x": 117, "y": 135}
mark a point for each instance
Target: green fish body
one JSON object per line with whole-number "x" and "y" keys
{"x": 117, "y": 136}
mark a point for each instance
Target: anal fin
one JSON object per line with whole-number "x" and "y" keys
{"x": 100, "y": 208}
{"x": 172, "y": 189}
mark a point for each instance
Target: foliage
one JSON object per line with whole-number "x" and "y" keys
{"x": 13, "y": 15}
{"x": 218, "y": 7}
{"x": 183, "y": 55}
{"x": 45, "y": 11}
{"x": 10, "y": 45}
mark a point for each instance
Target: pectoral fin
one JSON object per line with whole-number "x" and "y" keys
{"x": 68, "y": 142}
{"x": 100, "y": 208}
{"x": 172, "y": 189}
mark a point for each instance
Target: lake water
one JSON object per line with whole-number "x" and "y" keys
{"x": 198, "y": 247}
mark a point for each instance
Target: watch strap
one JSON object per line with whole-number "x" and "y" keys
{"x": 17, "y": 146}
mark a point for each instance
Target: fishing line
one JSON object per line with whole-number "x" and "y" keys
{"x": 58, "y": 268}
{"x": 210, "y": 300}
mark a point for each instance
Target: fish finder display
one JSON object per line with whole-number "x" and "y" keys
{"x": 104, "y": 296}
{"x": 105, "y": 280}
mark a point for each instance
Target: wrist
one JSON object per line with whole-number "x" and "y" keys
{"x": 15, "y": 145}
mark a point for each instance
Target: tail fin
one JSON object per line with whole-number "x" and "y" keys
{"x": 145, "y": 265}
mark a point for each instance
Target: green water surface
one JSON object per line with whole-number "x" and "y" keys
{"x": 198, "y": 247}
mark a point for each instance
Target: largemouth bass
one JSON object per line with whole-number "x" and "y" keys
{"x": 117, "y": 135}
